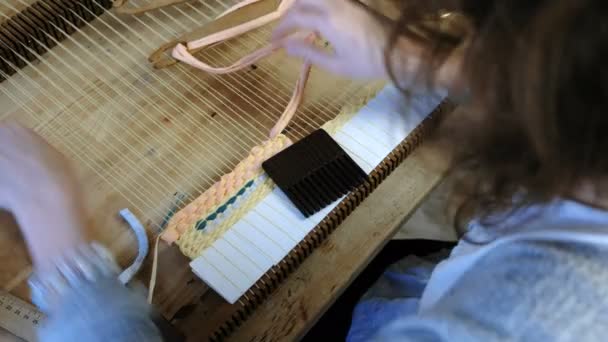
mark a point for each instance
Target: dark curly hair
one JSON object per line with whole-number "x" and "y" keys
{"x": 536, "y": 75}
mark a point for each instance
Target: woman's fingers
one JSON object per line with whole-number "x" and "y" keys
{"x": 319, "y": 6}
{"x": 298, "y": 47}
{"x": 356, "y": 36}
{"x": 298, "y": 20}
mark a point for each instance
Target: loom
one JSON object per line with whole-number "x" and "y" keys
{"x": 99, "y": 83}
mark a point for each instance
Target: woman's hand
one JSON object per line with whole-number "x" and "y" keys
{"x": 359, "y": 38}
{"x": 30, "y": 169}
{"x": 357, "y": 35}
{"x": 38, "y": 186}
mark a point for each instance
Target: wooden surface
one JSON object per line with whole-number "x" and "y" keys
{"x": 5, "y": 336}
{"x": 139, "y": 136}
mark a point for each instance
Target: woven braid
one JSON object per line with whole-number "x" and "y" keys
{"x": 223, "y": 190}
{"x": 195, "y": 241}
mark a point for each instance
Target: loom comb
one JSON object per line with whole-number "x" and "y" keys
{"x": 314, "y": 172}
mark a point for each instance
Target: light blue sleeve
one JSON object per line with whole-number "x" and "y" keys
{"x": 100, "y": 311}
{"x": 84, "y": 300}
{"x": 519, "y": 292}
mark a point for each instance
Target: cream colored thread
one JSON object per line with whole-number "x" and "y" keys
{"x": 121, "y": 8}
{"x": 152, "y": 284}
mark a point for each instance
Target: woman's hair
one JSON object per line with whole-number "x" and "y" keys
{"x": 536, "y": 73}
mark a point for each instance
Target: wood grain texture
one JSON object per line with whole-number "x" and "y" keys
{"x": 141, "y": 137}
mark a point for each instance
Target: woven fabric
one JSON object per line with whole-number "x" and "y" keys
{"x": 195, "y": 241}
{"x": 222, "y": 191}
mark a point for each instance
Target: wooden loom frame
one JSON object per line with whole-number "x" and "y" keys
{"x": 236, "y": 314}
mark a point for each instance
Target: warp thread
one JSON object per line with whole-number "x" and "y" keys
{"x": 182, "y": 52}
{"x": 121, "y": 8}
